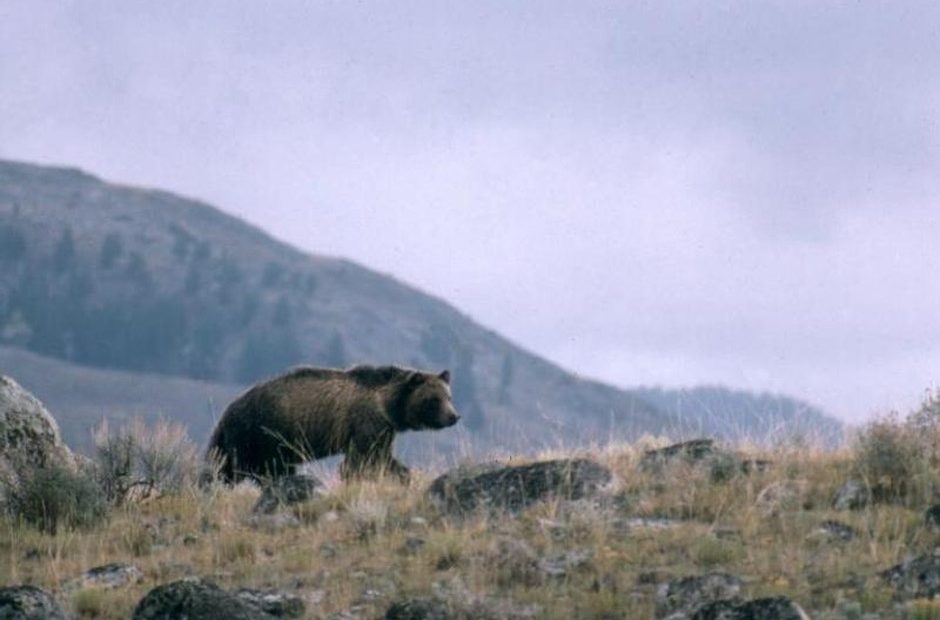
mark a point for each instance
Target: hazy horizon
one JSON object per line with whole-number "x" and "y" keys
{"x": 648, "y": 195}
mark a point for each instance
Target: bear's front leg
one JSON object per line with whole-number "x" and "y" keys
{"x": 372, "y": 460}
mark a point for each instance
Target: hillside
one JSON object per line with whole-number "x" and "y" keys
{"x": 143, "y": 281}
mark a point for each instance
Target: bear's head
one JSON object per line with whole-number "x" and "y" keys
{"x": 428, "y": 402}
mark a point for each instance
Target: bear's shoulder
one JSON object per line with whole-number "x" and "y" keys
{"x": 377, "y": 376}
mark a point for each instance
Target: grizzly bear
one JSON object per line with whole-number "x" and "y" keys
{"x": 310, "y": 413}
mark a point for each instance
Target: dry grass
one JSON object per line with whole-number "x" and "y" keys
{"x": 368, "y": 543}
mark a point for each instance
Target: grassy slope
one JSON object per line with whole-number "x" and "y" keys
{"x": 349, "y": 551}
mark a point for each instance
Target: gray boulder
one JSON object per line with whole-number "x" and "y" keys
{"x": 916, "y": 578}
{"x": 287, "y": 490}
{"x": 196, "y": 599}
{"x": 513, "y": 488}
{"x": 773, "y": 608}
{"x": 109, "y": 577}
{"x": 680, "y": 598}
{"x": 274, "y": 602}
{"x": 29, "y": 603}
{"x": 424, "y": 608}
{"x": 29, "y": 436}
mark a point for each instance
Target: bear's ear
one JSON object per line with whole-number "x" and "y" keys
{"x": 445, "y": 376}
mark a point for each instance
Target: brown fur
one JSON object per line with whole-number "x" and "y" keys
{"x": 311, "y": 413}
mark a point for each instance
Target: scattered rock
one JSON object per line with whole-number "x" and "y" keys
{"x": 196, "y": 599}
{"x": 108, "y": 577}
{"x": 288, "y": 490}
{"x": 774, "y": 608}
{"x": 688, "y": 594}
{"x": 722, "y": 464}
{"x": 29, "y": 435}
{"x": 693, "y": 451}
{"x": 836, "y": 530}
{"x": 29, "y": 603}
{"x": 276, "y": 603}
{"x": 852, "y": 495}
{"x": 437, "y": 609}
{"x": 916, "y": 578}
{"x": 513, "y": 488}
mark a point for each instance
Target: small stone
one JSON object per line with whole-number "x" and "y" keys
{"x": 851, "y": 496}
{"x": 108, "y": 577}
{"x": 932, "y": 516}
{"x": 836, "y": 530}
{"x": 688, "y": 594}
{"x": 286, "y": 491}
{"x": 275, "y": 603}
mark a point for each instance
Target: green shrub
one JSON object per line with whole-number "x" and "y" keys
{"x": 53, "y": 497}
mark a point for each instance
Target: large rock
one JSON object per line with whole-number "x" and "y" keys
{"x": 29, "y": 436}
{"x": 683, "y": 597}
{"x": 29, "y": 603}
{"x": 513, "y": 488}
{"x": 197, "y": 599}
{"x": 425, "y": 608}
{"x": 916, "y": 578}
{"x": 773, "y": 608}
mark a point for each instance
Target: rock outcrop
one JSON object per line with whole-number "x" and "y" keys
{"x": 513, "y": 488}
{"x": 199, "y": 599}
{"x": 29, "y": 436}
{"x": 29, "y": 603}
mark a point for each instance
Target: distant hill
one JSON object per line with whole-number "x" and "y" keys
{"x": 719, "y": 411}
{"x": 80, "y": 397}
{"x": 142, "y": 281}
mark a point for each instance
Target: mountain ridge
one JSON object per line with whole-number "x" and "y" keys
{"x": 143, "y": 280}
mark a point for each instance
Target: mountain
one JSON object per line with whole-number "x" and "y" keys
{"x": 717, "y": 410}
{"x": 142, "y": 281}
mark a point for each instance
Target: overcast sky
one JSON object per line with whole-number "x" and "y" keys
{"x": 645, "y": 192}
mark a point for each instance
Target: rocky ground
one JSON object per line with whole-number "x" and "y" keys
{"x": 649, "y": 530}
{"x": 619, "y": 532}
